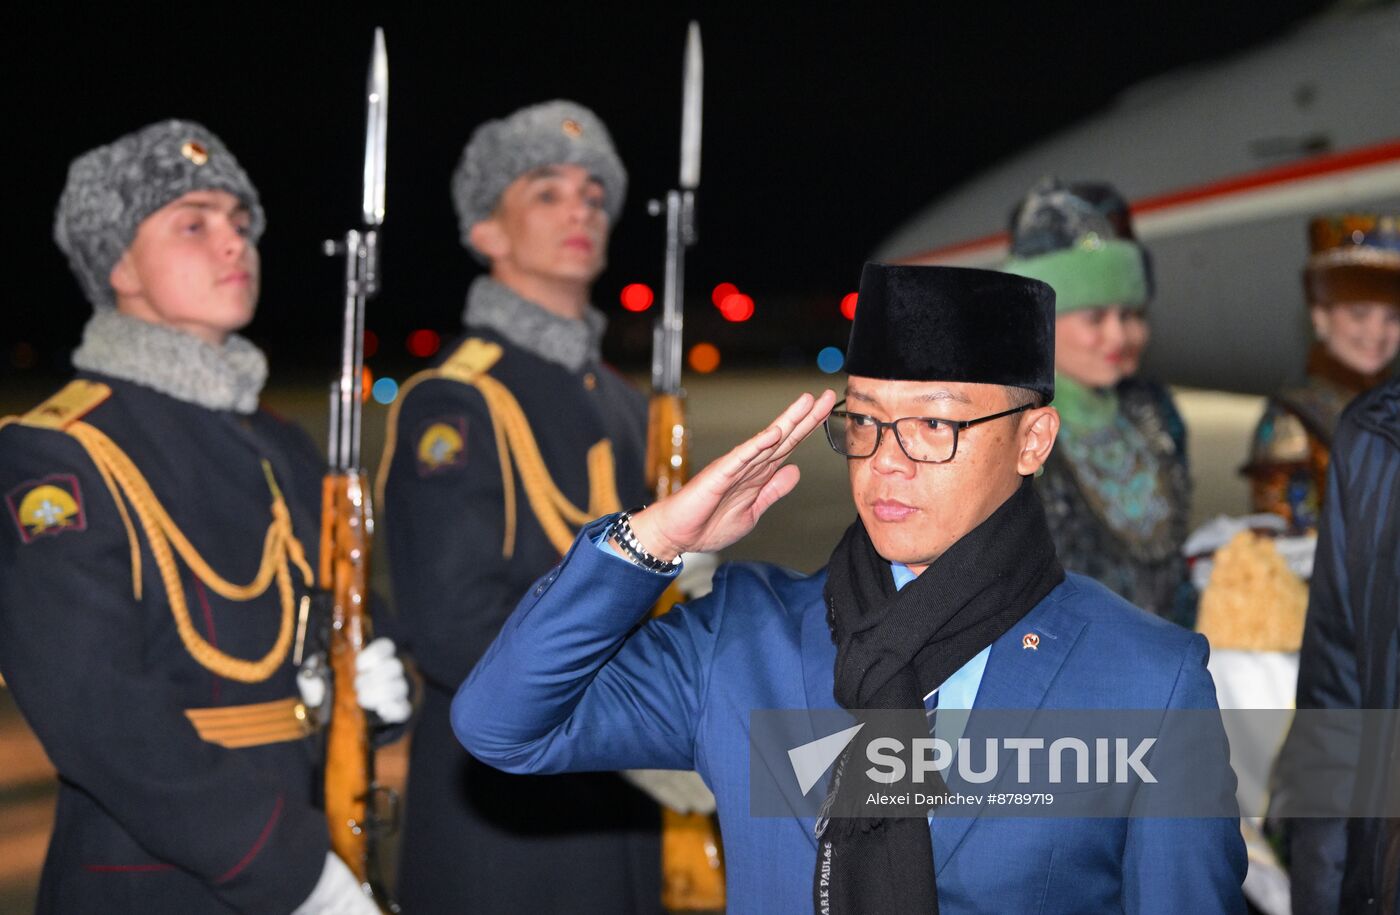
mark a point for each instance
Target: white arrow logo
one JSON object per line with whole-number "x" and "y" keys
{"x": 811, "y": 760}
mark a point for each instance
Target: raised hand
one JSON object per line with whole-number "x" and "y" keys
{"x": 723, "y": 502}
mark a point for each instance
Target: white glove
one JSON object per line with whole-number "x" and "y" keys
{"x": 381, "y": 684}
{"x": 314, "y": 682}
{"x": 337, "y": 893}
{"x": 683, "y": 792}
{"x": 696, "y": 578}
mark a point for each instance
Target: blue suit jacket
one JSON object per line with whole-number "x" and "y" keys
{"x": 573, "y": 684}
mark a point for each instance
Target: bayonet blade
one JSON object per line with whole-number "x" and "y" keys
{"x": 691, "y": 105}
{"x": 376, "y": 131}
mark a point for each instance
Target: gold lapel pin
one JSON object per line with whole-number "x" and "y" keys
{"x": 571, "y": 128}
{"x": 1030, "y": 640}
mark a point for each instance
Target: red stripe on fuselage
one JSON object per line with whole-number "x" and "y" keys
{"x": 1316, "y": 167}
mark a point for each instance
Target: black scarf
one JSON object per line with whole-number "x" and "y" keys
{"x": 892, "y": 647}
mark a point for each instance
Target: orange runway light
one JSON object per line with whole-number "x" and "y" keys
{"x": 366, "y": 383}
{"x": 637, "y": 297}
{"x": 704, "y": 358}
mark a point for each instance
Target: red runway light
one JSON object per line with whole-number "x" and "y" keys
{"x": 848, "y": 306}
{"x": 637, "y": 297}
{"x": 423, "y": 343}
{"x": 722, "y": 292}
{"x": 736, "y": 307}
{"x": 371, "y": 343}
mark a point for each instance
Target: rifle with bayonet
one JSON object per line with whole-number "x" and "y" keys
{"x": 692, "y": 865}
{"x": 347, "y": 524}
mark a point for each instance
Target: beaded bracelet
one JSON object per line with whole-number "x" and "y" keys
{"x": 632, "y": 548}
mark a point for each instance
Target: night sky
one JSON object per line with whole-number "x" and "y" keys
{"x": 826, "y": 126}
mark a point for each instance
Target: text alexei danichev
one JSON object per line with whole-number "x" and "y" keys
{"x": 957, "y": 799}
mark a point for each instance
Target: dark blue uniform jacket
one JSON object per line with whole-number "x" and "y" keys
{"x": 151, "y": 818}
{"x": 476, "y": 839}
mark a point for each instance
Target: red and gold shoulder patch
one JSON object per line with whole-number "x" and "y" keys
{"x": 441, "y": 444}
{"x": 49, "y": 506}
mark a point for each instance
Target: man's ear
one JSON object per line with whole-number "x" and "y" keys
{"x": 124, "y": 278}
{"x": 1037, "y": 437}
{"x": 490, "y": 238}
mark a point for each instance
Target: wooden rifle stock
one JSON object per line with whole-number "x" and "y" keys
{"x": 349, "y": 766}
{"x": 692, "y": 860}
{"x": 668, "y": 445}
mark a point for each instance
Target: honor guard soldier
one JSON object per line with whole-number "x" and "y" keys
{"x": 496, "y": 456}
{"x": 156, "y": 558}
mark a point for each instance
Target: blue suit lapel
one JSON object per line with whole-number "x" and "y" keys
{"x": 1016, "y": 677}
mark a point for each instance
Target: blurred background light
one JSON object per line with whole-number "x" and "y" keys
{"x": 423, "y": 343}
{"x": 385, "y": 390}
{"x": 637, "y": 297}
{"x": 704, "y": 358}
{"x": 830, "y": 360}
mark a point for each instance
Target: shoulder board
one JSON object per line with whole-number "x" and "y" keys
{"x": 74, "y": 401}
{"x": 474, "y": 357}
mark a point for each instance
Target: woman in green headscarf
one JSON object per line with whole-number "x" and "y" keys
{"x": 1116, "y": 487}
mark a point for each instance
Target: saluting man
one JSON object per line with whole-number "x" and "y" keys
{"x": 517, "y": 437}
{"x": 946, "y": 583}
{"x": 162, "y": 530}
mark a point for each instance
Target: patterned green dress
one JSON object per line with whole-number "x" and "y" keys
{"x": 1117, "y": 491}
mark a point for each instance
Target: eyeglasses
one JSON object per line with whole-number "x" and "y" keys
{"x": 925, "y": 439}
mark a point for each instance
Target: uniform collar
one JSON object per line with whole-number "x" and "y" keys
{"x": 177, "y": 364}
{"x": 573, "y": 344}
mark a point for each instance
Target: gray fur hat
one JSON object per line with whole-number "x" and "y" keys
{"x": 550, "y": 133}
{"x": 113, "y": 188}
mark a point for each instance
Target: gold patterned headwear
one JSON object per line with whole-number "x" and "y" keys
{"x": 1355, "y": 257}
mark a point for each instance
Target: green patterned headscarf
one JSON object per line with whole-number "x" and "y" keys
{"x": 1078, "y": 237}
{"x": 1093, "y": 273}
